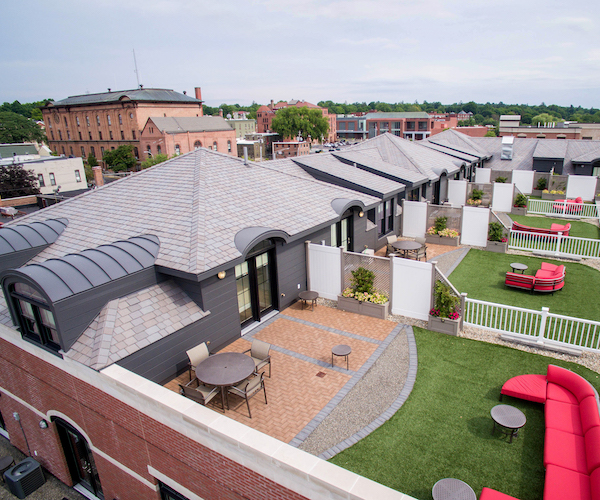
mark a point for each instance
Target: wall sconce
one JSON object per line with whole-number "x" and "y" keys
{"x": 43, "y": 424}
{"x": 361, "y": 214}
{"x": 221, "y": 274}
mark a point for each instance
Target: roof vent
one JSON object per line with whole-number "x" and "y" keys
{"x": 507, "y": 148}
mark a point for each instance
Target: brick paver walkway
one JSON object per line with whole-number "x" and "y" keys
{"x": 303, "y": 381}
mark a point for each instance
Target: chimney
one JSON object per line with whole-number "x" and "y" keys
{"x": 221, "y": 113}
{"x": 272, "y": 104}
{"x": 98, "y": 176}
{"x": 246, "y": 155}
{"x": 198, "y": 93}
{"x": 185, "y": 92}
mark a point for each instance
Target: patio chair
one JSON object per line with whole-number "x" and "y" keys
{"x": 201, "y": 393}
{"x": 391, "y": 239}
{"x": 259, "y": 352}
{"x": 248, "y": 388}
{"x": 422, "y": 252}
{"x": 196, "y": 355}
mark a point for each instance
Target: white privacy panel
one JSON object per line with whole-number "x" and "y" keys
{"x": 581, "y": 185}
{"x": 482, "y": 175}
{"x": 411, "y": 288}
{"x": 325, "y": 270}
{"x": 523, "y": 179}
{"x": 502, "y": 198}
{"x": 475, "y": 226}
{"x": 414, "y": 219}
{"x": 457, "y": 193}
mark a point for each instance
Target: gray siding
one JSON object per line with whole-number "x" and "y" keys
{"x": 15, "y": 260}
{"x": 546, "y": 165}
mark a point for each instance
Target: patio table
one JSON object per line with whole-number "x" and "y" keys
{"x": 309, "y": 295}
{"x": 517, "y": 266}
{"x": 510, "y": 418}
{"x": 452, "y": 489}
{"x": 224, "y": 370}
{"x": 342, "y": 351}
{"x": 406, "y": 246}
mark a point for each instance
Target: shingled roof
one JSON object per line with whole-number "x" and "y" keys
{"x": 142, "y": 95}
{"x": 173, "y": 125}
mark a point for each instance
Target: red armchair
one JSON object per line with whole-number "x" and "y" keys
{"x": 548, "y": 279}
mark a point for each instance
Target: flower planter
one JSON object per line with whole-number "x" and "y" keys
{"x": 365, "y": 308}
{"x": 444, "y": 325}
{"x": 434, "y": 239}
{"x": 550, "y": 196}
{"x": 536, "y": 192}
{"x": 496, "y": 246}
{"x": 519, "y": 211}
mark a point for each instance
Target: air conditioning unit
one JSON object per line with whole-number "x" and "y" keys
{"x": 24, "y": 478}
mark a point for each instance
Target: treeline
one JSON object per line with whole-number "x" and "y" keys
{"x": 229, "y": 109}
{"x": 483, "y": 114}
{"x": 28, "y": 110}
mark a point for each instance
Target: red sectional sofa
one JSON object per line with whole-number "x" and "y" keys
{"x": 554, "y": 229}
{"x": 547, "y": 279}
{"x": 572, "y": 440}
{"x": 572, "y": 207}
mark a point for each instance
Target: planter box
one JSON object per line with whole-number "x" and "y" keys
{"x": 536, "y": 192}
{"x": 365, "y": 308}
{"x": 496, "y": 246}
{"x": 434, "y": 239}
{"x": 550, "y": 196}
{"x": 444, "y": 325}
{"x": 519, "y": 211}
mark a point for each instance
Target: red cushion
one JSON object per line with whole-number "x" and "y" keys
{"x": 595, "y": 484}
{"x": 589, "y": 413}
{"x": 547, "y": 274}
{"x": 565, "y": 484}
{"x": 579, "y": 199}
{"x": 546, "y": 266}
{"x": 592, "y": 448}
{"x": 559, "y": 393}
{"x": 563, "y": 416}
{"x": 529, "y": 387}
{"x": 558, "y": 227}
{"x": 489, "y": 494}
{"x": 571, "y": 381}
{"x": 519, "y": 280}
{"x": 565, "y": 450}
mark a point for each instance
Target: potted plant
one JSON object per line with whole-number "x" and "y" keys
{"x": 440, "y": 234}
{"x": 502, "y": 180}
{"x": 362, "y": 298}
{"x": 542, "y": 184}
{"x": 555, "y": 194}
{"x": 476, "y": 198}
{"x": 520, "y": 206}
{"x": 497, "y": 241}
{"x": 444, "y": 317}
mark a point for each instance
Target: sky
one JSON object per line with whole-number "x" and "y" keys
{"x": 517, "y": 52}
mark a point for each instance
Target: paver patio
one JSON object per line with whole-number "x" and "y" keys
{"x": 303, "y": 381}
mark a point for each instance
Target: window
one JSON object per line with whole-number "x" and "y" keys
{"x": 87, "y": 120}
{"x": 90, "y": 135}
{"x": 68, "y": 135}
{"x": 35, "y": 319}
{"x": 97, "y": 120}
{"x": 422, "y": 125}
{"x": 66, "y": 124}
{"x": 149, "y": 150}
{"x": 77, "y": 176}
{"x": 177, "y": 149}
{"x": 410, "y": 125}
{"x": 168, "y": 493}
{"x": 342, "y": 126}
{"x": 71, "y": 150}
{"x": 80, "y": 138}
{"x": 77, "y": 120}
{"x": 133, "y": 134}
{"x": 112, "y": 148}
{"x": 229, "y": 146}
{"x": 102, "y": 151}
{"x": 120, "y": 120}
{"x": 52, "y": 134}
{"x": 59, "y": 135}
{"x": 386, "y": 217}
{"x": 122, "y": 134}
{"x": 197, "y": 145}
{"x": 108, "y": 120}
{"x": 158, "y": 149}
{"x": 82, "y": 152}
{"x": 110, "y": 134}
{"x": 51, "y": 175}
{"x": 93, "y": 151}
{"x": 131, "y": 115}
{"x": 63, "y": 150}
{"x": 215, "y": 146}
{"x": 136, "y": 153}
{"x": 41, "y": 180}
{"x": 100, "y": 134}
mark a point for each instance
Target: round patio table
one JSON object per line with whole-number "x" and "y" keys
{"x": 452, "y": 489}
{"x": 510, "y": 418}
{"x": 341, "y": 350}
{"x": 309, "y": 295}
{"x": 517, "y": 266}
{"x": 406, "y": 246}
{"x": 224, "y": 370}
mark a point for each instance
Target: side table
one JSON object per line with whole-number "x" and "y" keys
{"x": 309, "y": 295}
{"x": 452, "y": 489}
{"x": 510, "y": 418}
{"x": 341, "y": 350}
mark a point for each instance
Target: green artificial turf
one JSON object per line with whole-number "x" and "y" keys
{"x": 445, "y": 430}
{"x": 578, "y": 228}
{"x": 481, "y": 275}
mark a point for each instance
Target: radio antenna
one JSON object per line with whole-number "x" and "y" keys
{"x": 137, "y": 75}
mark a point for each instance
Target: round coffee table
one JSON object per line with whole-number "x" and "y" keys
{"x": 341, "y": 350}
{"x": 224, "y": 370}
{"x": 452, "y": 489}
{"x": 406, "y": 246}
{"x": 517, "y": 266}
{"x": 309, "y": 295}
{"x": 510, "y": 418}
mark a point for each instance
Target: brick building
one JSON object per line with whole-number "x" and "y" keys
{"x": 265, "y": 115}
{"x": 290, "y": 148}
{"x": 175, "y": 136}
{"x": 511, "y": 125}
{"x": 94, "y": 123}
{"x": 415, "y": 126}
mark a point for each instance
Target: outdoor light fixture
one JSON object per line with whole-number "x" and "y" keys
{"x": 361, "y": 214}
{"x": 221, "y": 274}
{"x": 43, "y": 424}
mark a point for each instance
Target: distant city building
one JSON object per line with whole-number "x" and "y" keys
{"x": 266, "y": 138}
{"x": 242, "y": 126}
{"x": 265, "y": 115}
{"x": 175, "y": 136}
{"x": 511, "y": 125}
{"x": 290, "y": 148}
{"x": 255, "y": 149}
{"x": 95, "y": 123}
{"x": 415, "y": 126}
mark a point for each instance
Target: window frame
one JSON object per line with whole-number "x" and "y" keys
{"x": 77, "y": 176}
{"x": 385, "y": 217}
{"x": 52, "y": 178}
{"x": 173, "y": 494}
{"x": 41, "y": 180}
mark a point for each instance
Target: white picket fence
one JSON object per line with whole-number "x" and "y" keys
{"x": 541, "y": 326}
{"x": 562, "y": 209}
{"x": 555, "y": 245}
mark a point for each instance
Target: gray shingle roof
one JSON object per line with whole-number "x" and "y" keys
{"x": 550, "y": 148}
{"x": 195, "y": 204}
{"x": 172, "y": 125}
{"x": 395, "y": 115}
{"x": 371, "y": 160}
{"x": 9, "y": 150}
{"x": 146, "y": 95}
{"x": 453, "y": 139}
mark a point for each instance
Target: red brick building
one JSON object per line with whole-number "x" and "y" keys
{"x": 265, "y": 115}
{"x": 290, "y": 148}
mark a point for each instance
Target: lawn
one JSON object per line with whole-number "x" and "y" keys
{"x": 444, "y": 429}
{"x": 578, "y": 228}
{"x": 481, "y": 275}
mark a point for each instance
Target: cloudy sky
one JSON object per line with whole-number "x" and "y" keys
{"x": 526, "y": 51}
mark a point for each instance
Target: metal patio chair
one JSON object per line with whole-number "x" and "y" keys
{"x": 249, "y": 388}
{"x": 196, "y": 355}
{"x": 259, "y": 352}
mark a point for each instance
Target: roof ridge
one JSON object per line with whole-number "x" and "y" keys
{"x": 199, "y": 178}
{"x": 103, "y": 341}
{"x": 408, "y": 156}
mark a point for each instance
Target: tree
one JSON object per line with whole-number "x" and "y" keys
{"x": 154, "y": 160}
{"x": 544, "y": 118}
{"x": 490, "y": 133}
{"x": 121, "y": 158}
{"x": 16, "y": 128}
{"x": 16, "y": 181}
{"x": 91, "y": 160}
{"x": 305, "y": 122}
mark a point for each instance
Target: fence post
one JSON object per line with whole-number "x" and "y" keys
{"x": 558, "y": 243}
{"x": 433, "y": 277}
{"x": 545, "y": 312}
{"x": 307, "y": 247}
{"x": 391, "y": 284}
{"x": 342, "y": 266}
{"x": 463, "y": 300}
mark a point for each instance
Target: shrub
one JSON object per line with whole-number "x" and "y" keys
{"x": 446, "y": 303}
{"x": 501, "y": 179}
{"x": 521, "y": 200}
{"x": 362, "y": 280}
{"x": 477, "y": 194}
{"x": 542, "y": 183}
{"x": 495, "y": 231}
{"x": 440, "y": 224}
